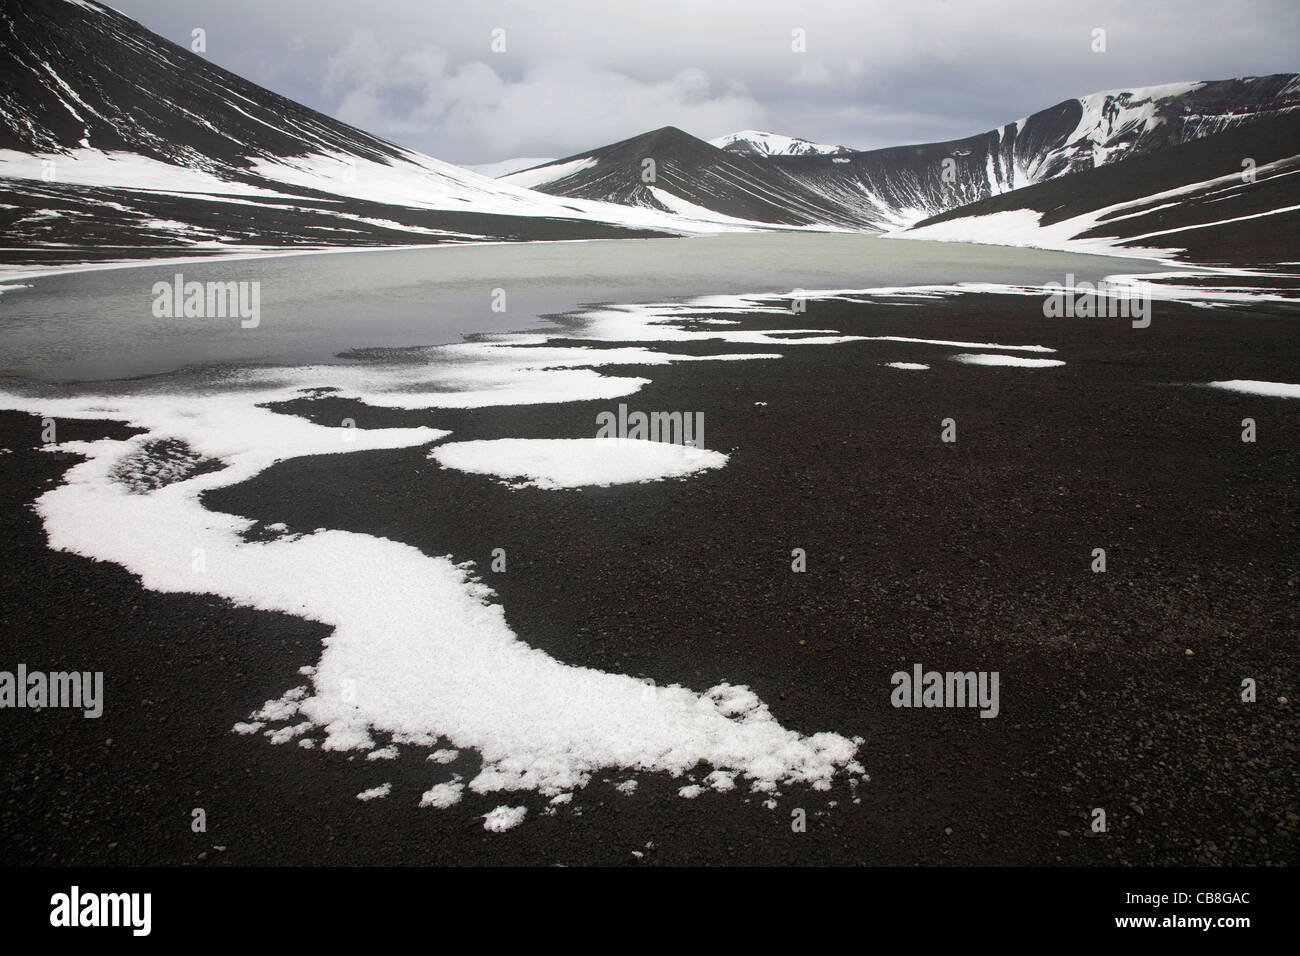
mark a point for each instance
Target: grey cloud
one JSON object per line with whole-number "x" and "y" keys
{"x": 579, "y": 73}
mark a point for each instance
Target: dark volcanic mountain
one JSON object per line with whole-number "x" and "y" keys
{"x": 896, "y": 187}
{"x": 115, "y": 141}
{"x": 1232, "y": 198}
{"x": 689, "y": 175}
{"x": 112, "y": 135}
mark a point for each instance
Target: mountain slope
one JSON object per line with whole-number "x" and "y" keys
{"x": 887, "y": 189}
{"x": 691, "y": 177}
{"x": 110, "y": 134}
{"x": 900, "y": 186}
{"x": 1194, "y": 200}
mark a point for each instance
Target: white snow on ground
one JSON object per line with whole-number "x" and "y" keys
{"x": 1271, "y": 389}
{"x": 375, "y": 793}
{"x": 684, "y": 207}
{"x": 908, "y": 366}
{"x": 419, "y": 649}
{"x": 1022, "y": 227}
{"x": 575, "y": 462}
{"x": 94, "y": 167}
{"x": 959, "y": 345}
{"x": 532, "y": 178}
{"x": 443, "y": 795}
{"x": 504, "y": 818}
{"x": 507, "y": 166}
{"x": 970, "y": 358}
{"x": 411, "y": 180}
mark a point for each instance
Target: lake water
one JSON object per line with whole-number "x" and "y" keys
{"x": 99, "y": 325}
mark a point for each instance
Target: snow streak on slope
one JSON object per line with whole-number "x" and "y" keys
{"x": 507, "y": 166}
{"x": 895, "y": 188}
{"x": 1130, "y": 228}
{"x": 671, "y": 171}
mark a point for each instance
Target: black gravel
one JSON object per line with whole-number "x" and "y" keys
{"x": 974, "y": 555}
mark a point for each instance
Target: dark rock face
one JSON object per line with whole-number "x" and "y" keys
{"x": 896, "y": 187}
{"x": 689, "y": 169}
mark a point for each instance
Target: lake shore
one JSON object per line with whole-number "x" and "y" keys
{"x": 970, "y": 555}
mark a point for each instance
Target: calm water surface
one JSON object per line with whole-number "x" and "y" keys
{"x": 96, "y": 326}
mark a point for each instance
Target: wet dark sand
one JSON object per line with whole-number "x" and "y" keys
{"x": 967, "y": 556}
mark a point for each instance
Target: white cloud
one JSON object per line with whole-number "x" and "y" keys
{"x": 549, "y": 109}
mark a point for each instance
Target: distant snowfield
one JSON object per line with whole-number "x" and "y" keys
{"x": 411, "y": 180}
{"x": 420, "y": 653}
{"x": 775, "y": 144}
{"x": 576, "y": 462}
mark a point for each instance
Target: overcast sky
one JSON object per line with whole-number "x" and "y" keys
{"x": 582, "y": 73}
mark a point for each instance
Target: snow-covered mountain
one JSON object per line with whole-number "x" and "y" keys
{"x": 887, "y": 189}
{"x": 900, "y": 186}
{"x": 115, "y": 141}
{"x": 111, "y": 135}
{"x": 753, "y": 142}
{"x": 1231, "y": 198}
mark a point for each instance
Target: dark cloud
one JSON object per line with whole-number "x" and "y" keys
{"x": 581, "y": 73}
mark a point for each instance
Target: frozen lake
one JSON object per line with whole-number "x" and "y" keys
{"x": 99, "y": 325}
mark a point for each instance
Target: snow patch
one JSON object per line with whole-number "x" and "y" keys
{"x": 1016, "y": 361}
{"x": 1249, "y": 387}
{"x": 504, "y": 818}
{"x": 575, "y": 462}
